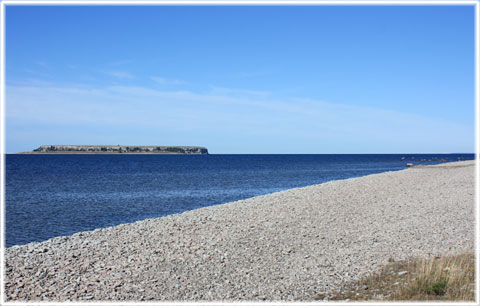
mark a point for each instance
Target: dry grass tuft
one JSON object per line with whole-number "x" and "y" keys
{"x": 449, "y": 278}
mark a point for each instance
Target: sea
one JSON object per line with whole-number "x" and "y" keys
{"x": 60, "y": 194}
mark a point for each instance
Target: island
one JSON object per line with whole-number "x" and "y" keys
{"x": 112, "y": 149}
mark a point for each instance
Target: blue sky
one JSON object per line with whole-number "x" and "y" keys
{"x": 242, "y": 79}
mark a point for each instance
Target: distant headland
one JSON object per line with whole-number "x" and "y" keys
{"x": 107, "y": 149}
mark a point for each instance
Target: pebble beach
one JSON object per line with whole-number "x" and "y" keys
{"x": 286, "y": 246}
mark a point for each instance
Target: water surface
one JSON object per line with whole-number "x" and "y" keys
{"x": 55, "y": 195}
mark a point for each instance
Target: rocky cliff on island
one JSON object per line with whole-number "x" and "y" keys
{"x": 98, "y": 149}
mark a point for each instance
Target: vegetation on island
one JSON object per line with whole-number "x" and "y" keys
{"x": 120, "y": 149}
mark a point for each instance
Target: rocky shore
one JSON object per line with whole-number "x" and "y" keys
{"x": 107, "y": 149}
{"x": 290, "y": 245}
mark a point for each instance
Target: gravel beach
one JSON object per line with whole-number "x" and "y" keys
{"x": 290, "y": 245}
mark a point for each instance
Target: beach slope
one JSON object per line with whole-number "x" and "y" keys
{"x": 289, "y": 245}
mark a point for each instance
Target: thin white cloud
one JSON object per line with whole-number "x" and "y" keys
{"x": 37, "y": 72}
{"x": 26, "y": 82}
{"x": 248, "y": 121}
{"x": 119, "y": 74}
{"x": 232, "y": 91}
{"x": 165, "y": 81}
{"x": 246, "y": 74}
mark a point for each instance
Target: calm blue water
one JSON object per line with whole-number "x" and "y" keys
{"x": 55, "y": 195}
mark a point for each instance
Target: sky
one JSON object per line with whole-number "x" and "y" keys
{"x": 242, "y": 79}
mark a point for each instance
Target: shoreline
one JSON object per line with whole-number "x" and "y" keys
{"x": 447, "y": 164}
{"x": 261, "y": 248}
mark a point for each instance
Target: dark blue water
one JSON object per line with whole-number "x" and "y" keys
{"x": 55, "y": 195}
